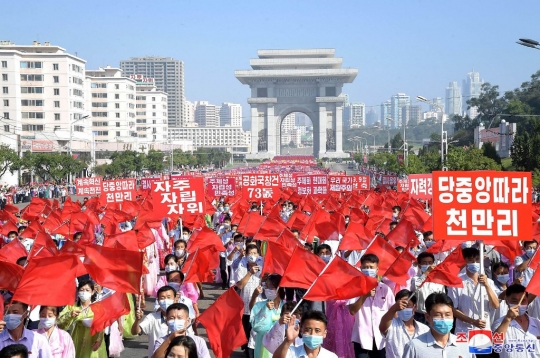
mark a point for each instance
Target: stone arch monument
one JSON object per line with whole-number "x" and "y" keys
{"x": 285, "y": 81}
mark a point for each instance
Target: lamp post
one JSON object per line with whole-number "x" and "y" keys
{"x": 444, "y": 134}
{"x": 373, "y": 135}
{"x": 388, "y": 130}
{"x": 71, "y": 141}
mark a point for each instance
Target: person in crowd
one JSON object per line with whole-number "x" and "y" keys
{"x": 438, "y": 341}
{"x": 398, "y": 325}
{"x": 426, "y": 262}
{"x": 313, "y": 328}
{"x": 15, "y": 332}
{"x": 226, "y": 232}
{"x": 368, "y": 311}
{"x": 178, "y": 320}
{"x": 182, "y": 347}
{"x": 77, "y": 319}
{"x": 501, "y": 281}
{"x": 14, "y": 351}
{"x": 276, "y": 335}
{"x": 466, "y": 298}
{"x": 170, "y": 265}
{"x": 59, "y": 340}
{"x": 235, "y": 255}
{"x": 521, "y": 263}
{"x": 396, "y": 211}
{"x": 175, "y": 280}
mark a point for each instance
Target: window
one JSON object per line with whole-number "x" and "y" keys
{"x": 102, "y": 133}
{"x": 100, "y": 124}
{"x": 117, "y": 115}
{"x": 153, "y": 99}
{"x": 77, "y": 80}
{"x": 32, "y": 128}
{"x": 99, "y": 104}
{"x": 141, "y": 106}
{"x": 99, "y": 114}
{"x": 76, "y": 68}
{"x": 118, "y": 134}
{"x": 56, "y": 104}
{"x": 31, "y": 89}
{"x": 330, "y": 91}
{"x": 117, "y": 105}
{"x": 118, "y": 124}
{"x": 57, "y": 91}
{"x": 6, "y": 115}
{"x": 36, "y": 78}
{"x": 141, "y": 120}
{"x": 33, "y": 115}
{"x": 99, "y": 95}
{"x": 4, "y": 64}
{"x": 117, "y": 96}
{"x": 78, "y": 92}
{"x": 153, "y": 106}
{"x": 116, "y": 86}
{"x": 56, "y": 128}
{"x": 6, "y": 103}
{"x": 25, "y": 64}
{"x": 98, "y": 85}
{"x": 57, "y": 116}
{"x": 4, "y": 77}
{"x": 5, "y": 90}
{"x": 6, "y": 128}
{"x": 55, "y": 67}
{"x": 56, "y": 79}
{"x": 262, "y": 92}
{"x": 153, "y": 114}
{"x": 32, "y": 102}
{"x": 153, "y": 121}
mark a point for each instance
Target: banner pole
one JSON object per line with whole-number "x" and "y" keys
{"x": 481, "y": 308}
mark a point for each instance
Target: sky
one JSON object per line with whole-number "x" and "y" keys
{"x": 410, "y": 46}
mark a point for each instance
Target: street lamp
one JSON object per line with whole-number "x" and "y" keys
{"x": 71, "y": 141}
{"x": 444, "y": 134}
{"x": 388, "y": 130}
{"x": 373, "y": 135}
{"x": 529, "y": 43}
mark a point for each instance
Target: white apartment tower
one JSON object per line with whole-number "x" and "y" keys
{"x": 206, "y": 114}
{"x": 358, "y": 115}
{"x": 42, "y": 95}
{"x": 398, "y": 101}
{"x": 230, "y": 114}
{"x": 453, "y": 99}
{"x": 151, "y": 114}
{"x": 472, "y": 87}
{"x": 168, "y": 74}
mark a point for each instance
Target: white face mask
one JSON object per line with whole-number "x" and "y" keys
{"x": 185, "y": 237}
{"x": 179, "y": 253}
{"x": 170, "y": 268}
{"x": 85, "y": 296}
{"x": 47, "y": 322}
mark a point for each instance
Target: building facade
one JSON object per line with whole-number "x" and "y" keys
{"x": 358, "y": 115}
{"x": 411, "y": 115}
{"x": 453, "y": 100}
{"x": 206, "y": 114}
{"x": 472, "y": 87}
{"x": 386, "y": 112}
{"x": 398, "y": 101}
{"x": 230, "y": 138}
{"x": 168, "y": 74}
{"x": 151, "y": 114}
{"x": 230, "y": 114}
{"x": 502, "y": 137}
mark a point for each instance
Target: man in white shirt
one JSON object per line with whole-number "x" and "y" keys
{"x": 276, "y": 335}
{"x": 521, "y": 263}
{"x": 426, "y": 262}
{"x": 398, "y": 325}
{"x": 521, "y": 331}
{"x": 466, "y": 299}
{"x": 368, "y": 311}
{"x": 313, "y": 327}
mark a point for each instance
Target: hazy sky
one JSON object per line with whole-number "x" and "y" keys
{"x": 414, "y": 47}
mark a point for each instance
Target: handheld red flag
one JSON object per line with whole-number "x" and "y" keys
{"x": 13, "y": 251}
{"x": 108, "y": 310}
{"x": 10, "y": 275}
{"x": 403, "y": 235}
{"x": 386, "y": 253}
{"x": 277, "y": 258}
{"x": 302, "y": 270}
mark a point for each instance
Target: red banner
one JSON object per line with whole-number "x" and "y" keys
{"x": 222, "y": 186}
{"x": 42, "y": 146}
{"x": 403, "y": 185}
{"x": 421, "y": 186}
{"x": 116, "y": 191}
{"x": 287, "y": 179}
{"x": 482, "y": 205}
{"x": 260, "y": 186}
{"x": 89, "y": 186}
{"x": 178, "y": 197}
{"x": 389, "y": 180}
{"x": 348, "y": 183}
{"x": 146, "y": 183}
{"x": 312, "y": 184}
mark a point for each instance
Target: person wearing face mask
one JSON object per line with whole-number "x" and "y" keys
{"x": 521, "y": 263}
{"x": 266, "y": 312}
{"x": 368, "y": 311}
{"x": 16, "y": 333}
{"x": 175, "y": 280}
{"x": 426, "y": 262}
{"x": 185, "y": 234}
{"x": 438, "y": 341}
{"x": 276, "y": 335}
{"x": 466, "y": 298}
{"x": 235, "y": 253}
{"x": 12, "y": 235}
{"x": 154, "y": 325}
{"x": 313, "y": 329}
{"x": 178, "y": 320}
{"x": 59, "y": 340}
{"x": 170, "y": 265}
{"x": 77, "y": 319}
{"x": 501, "y": 280}
{"x": 226, "y": 234}
{"x": 216, "y": 218}
{"x": 517, "y": 325}
{"x": 398, "y": 325}
{"x": 248, "y": 277}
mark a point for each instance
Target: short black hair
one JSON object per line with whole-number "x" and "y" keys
{"x": 396, "y": 207}
{"x": 470, "y": 252}
{"x": 289, "y": 306}
{"x": 424, "y": 255}
{"x": 515, "y": 288}
{"x": 295, "y": 230}
{"x": 393, "y": 223}
{"x": 528, "y": 242}
{"x": 168, "y": 274}
{"x": 324, "y": 246}
{"x": 165, "y": 289}
{"x": 179, "y": 307}
{"x": 56, "y": 311}
{"x": 14, "y": 350}
{"x": 24, "y": 305}
{"x": 405, "y": 293}
{"x": 238, "y": 235}
{"x": 498, "y": 265}
{"x": 251, "y": 247}
{"x": 427, "y": 233}
{"x": 179, "y": 241}
{"x": 168, "y": 257}
{"x": 399, "y": 248}
{"x": 186, "y": 342}
{"x": 369, "y": 258}
{"x": 314, "y": 315}
{"x": 438, "y": 298}
{"x": 13, "y": 232}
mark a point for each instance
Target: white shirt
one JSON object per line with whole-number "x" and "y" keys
{"x": 275, "y": 336}
{"x": 397, "y": 337}
{"x": 421, "y": 294}
{"x": 252, "y": 284}
{"x": 154, "y": 326}
{"x": 467, "y": 298}
{"x": 515, "y": 334}
{"x": 300, "y": 352}
{"x": 527, "y": 274}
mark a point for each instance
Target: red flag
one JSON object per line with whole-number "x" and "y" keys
{"x": 200, "y": 264}
{"x": 10, "y": 275}
{"x": 340, "y": 281}
{"x": 356, "y": 237}
{"x": 534, "y": 284}
{"x": 428, "y": 225}
{"x": 223, "y": 323}
{"x": 277, "y": 258}
{"x": 358, "y": 215}
{"x": 72, "y": 248}
{"x": 117, "y": 269}
{"x": 108, "y": 310}
{"x": 250, "y": 223}
{"x": 302, "y": 270}
{"x": 204, "y": 237}
{"x": 403, "y": 235}
{"x": 1, "y": 308}
{"x": 321, "y": 225}
{"x": 8, "y": 227}
{"x": 288, "y": 240}
{"x": 48, "y": 281}
{"x": 271, "y": 228}
{"x": 44, "y": 246}
{"x": 298, "y": 220}
{"x": 398, "y": 272}
{"x": 145, "y": 237}
{"x": 386, "y": 253}
{"x": 442, "y": 246}
{"x": 446, "y": 273}
{"x": 127, "y": 239}
{"x": 509, "y": 248}
{"x": 13, "y": 251}
{"x": 11, "y": 208}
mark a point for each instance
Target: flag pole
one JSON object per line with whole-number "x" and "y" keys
{"x": 481, "y": 308}
{"x": 189, "y": 268}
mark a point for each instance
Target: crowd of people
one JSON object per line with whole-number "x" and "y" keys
{"x": 392, "y": 320}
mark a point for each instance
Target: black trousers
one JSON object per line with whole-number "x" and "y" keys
{"x": 225, "y": 272}
{"x": 360, "y": 352}
{"x": 107, "y": 339}
{"x": 249, "y": 353}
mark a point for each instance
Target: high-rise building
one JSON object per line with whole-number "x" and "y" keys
{"x": 411, "y": 115}
{"x": 398, "y": 101}
{"x": 230, "y": 114}
{"x": 371, "y": 117}
{"x": 386, "y": 111}
{"x": 215, "y": 137}
{"x": 358, "y": 115}
{"x": 168, "y": 74}
{"x": 206, "y": 114}
{"x": 347, "y": 114}
{"x": 189, "y": 112}
{"x": 151, "y": 112}
{"x": 472, "y": 87}
{"x": 439, "y": 101}
{"x": 453, "y": 99}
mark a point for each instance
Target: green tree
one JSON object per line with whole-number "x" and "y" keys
{"x": 8, "y": 159}
{"x": 460, "y": 158}
{"x": 155, "y": 161}
{"x": 489, "y": 151}
{"x": 126, "y": 163}
{"x": 53, "y": 166}
{"x": 489, "y": 105}
{"x": 415, "y": 165}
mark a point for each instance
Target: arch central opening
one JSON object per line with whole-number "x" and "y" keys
{"x": 296, "y": 134}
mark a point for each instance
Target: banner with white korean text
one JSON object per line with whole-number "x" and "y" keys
{"x": 312, "y": 184}
{"x": 403, "y": 185}
{"x": 146, "y": 183}
{"x": 118, "y": 190}
{"x": 89, "y": 186}
{"x": 348, "y": 183}
{"x": 179, "y": 197}
{"x": 389, "y": 180}
{"x": 221, "y": 186}
{"x": 421, "y": 186}
{"x": 260, "y": 186}
{"x": 482, "y": 205}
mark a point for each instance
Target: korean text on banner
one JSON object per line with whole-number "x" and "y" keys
{"x": 420, "y": 186}
{"x": 88, "y": 186}
{"x": 221, "y": 186}
{"x": 260, "y": 186}
{"x": 482, "y": 205}
{"x": 312, "y": 184}
{"x": 403, "y": 185}
{"x": 348, "y": 183}
{"x": 389, "y": 180}
{"x": 119, "y": 190}
{"x": 178, "y": 197}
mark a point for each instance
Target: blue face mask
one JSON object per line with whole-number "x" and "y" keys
{"x": 443, "y": 325}
{"x": 312, "y": 342}
{"x": 473, "y": 268}
{"x": 370, "y": 272}
{"x": 405, "y": 314}
{"x": 530, "y": 252}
